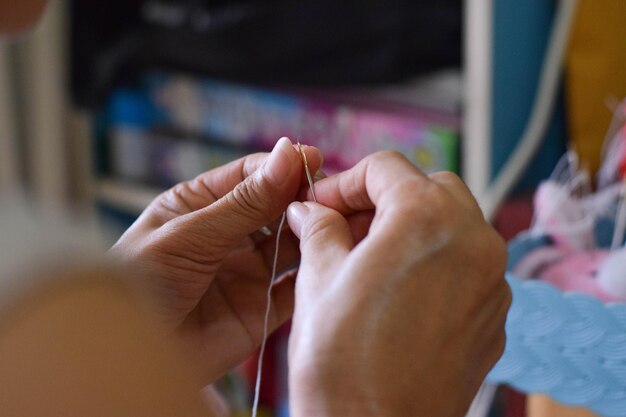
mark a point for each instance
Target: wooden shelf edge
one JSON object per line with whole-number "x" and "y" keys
{"x": 124, "y": 195}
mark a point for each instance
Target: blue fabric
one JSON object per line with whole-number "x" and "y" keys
{"x": 569, "y": 346}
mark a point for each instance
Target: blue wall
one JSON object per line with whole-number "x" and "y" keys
{"x": 521, "y": 31}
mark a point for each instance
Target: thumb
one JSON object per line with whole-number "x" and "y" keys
{"x": 253, "y": 203}
{"x": 325, "y": 241}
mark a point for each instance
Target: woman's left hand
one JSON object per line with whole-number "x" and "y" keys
{"x": 198, "y": 249}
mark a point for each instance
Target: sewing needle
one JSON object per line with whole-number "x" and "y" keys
{"x": 307, "y": 171}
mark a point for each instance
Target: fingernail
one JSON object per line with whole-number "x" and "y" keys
{"x": 280, "y": 162}
{"x": 266, "y": 231}
{"x": 320, "y": 155}
{"x": 298, "y": 211}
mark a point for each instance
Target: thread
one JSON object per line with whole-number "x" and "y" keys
{"x": 257, "y": 387}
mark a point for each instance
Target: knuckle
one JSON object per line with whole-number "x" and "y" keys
{"x": 177, "y": 244}
{"x": 424, "y": 202}
{"x": 245, "y": 198}
{"x": 316, "y": 227}
{"x": 251, "y": 163}
{"x": 173, "y": 201}
{"x": 386, "y": 156}
{"x": 446, "y": 177}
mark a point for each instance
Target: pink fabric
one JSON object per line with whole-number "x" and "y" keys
{"x": 577, "y": 271}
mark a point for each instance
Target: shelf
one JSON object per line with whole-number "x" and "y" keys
{"x": 126, "y": 196}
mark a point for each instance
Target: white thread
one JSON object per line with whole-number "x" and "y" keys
{"x": 257, "y": 387}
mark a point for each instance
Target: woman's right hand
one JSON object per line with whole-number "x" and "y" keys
{"x": 397, "y": 314}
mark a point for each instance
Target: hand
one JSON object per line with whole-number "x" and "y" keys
{"x": 207, "y": 275}
{"x": 403, "y": 316}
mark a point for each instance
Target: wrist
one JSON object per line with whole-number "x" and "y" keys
{"x": 327, "y": 379}
{"x": 316, "y": 392}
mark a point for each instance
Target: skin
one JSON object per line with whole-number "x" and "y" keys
{"x": 407, "y": 320}
{"x": 19, "y": 16}
{"x": 84, "y": 346}
{"x": 207, "y": 266}
{"x": 399, "y": 271}
{"x": 414, "y": 291}
{"x": 400, "y": 299}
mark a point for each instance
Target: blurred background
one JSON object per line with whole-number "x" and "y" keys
{"x": 107, "y": 103}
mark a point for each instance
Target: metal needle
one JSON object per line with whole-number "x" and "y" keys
{"x": 307, "y": 171}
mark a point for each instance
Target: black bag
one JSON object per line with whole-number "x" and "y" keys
{"x": 305, "y": 42}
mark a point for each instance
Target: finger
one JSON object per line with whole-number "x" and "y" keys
{"x": 369, "y": 184}
{"x": 291, "y": 274}
{"x": 216, "y": 402}
{"x": 253, "y": 203}
{"x": 360, "y": 223}
{"x": 288, "y": 255}
{"x": 325, "y": 241}
{"x": 265, "y": 246}
{"x": 263, "y": 255}
{"x": 192, "y": 195}
{"x": 222, "y": 180}
{"x": 457, "y": 188}
{"x": 288, "y": 252}
{"x": 282, "y": 299}
{"x": 212, "y": 185}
